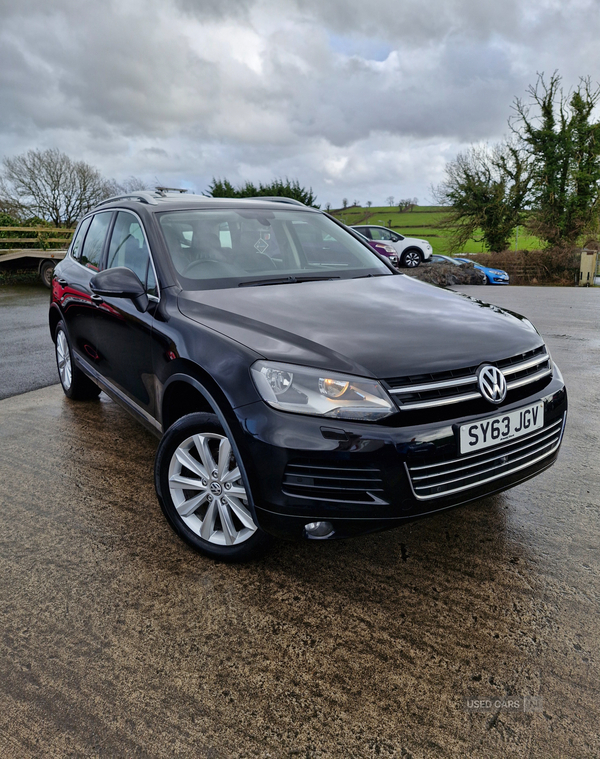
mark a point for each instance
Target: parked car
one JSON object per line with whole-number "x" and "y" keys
{"x": 472, "y": 277}
{"x": 383, "y": 249}
{"x": 300, "y": 386}
{"x": 492, "y": 276}
{"x": 410, "y": 250}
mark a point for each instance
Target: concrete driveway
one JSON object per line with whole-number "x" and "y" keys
{"x": 118, "y": 641}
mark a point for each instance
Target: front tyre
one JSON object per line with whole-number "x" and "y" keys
{"x": 203, "y": 492}
{"x": 411, "y": 258}
{"x": 74, "y": 382}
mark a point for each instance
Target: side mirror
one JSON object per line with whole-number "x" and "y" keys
{"x": 120, "y": 282}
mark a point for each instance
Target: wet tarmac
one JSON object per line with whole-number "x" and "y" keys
{"x": 27, "y": 352}
{"x": 118, "y": 641}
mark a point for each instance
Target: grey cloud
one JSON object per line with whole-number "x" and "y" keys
{"x": 335, "y": 92}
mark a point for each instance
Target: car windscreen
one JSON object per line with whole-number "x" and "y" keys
{"x": 245, "y": 247}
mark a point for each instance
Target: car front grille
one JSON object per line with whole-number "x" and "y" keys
{"x": 429, "y": 391}
{"x": 448, "y": 477}
{"x": 344, "y": 482}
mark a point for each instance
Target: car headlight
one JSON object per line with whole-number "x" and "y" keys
{"x": 304, "y": 390}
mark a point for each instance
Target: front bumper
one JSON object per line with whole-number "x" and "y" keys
{"x": 361, "y": 477}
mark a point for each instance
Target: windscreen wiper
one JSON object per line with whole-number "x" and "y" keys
{"x": 283, "y": 281}
{"x": 364, "y": 276}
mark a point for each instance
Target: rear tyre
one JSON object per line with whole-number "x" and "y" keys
{"x": 74, "y": 382}
{"x": 411, "y": 258}
{"x": 203, "y": 491}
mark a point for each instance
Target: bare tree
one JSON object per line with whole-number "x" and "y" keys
{"x": 369, "y": 203}
{"x": 345, "y": 202}
{"x": 49, "y": 184}
{"x": 390, "y": 200}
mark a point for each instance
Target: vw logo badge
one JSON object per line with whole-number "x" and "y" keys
{"x": 491, "y": 383}
{"x": 215, "y": 488}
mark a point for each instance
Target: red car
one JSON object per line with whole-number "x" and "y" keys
{"x": 382, "y": 248}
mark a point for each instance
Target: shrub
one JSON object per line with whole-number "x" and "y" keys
{"x": 552, "y": 266}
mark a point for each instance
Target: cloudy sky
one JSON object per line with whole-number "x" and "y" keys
{"x": 358, "y": 100}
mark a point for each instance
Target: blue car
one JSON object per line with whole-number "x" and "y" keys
{"x": 493, "y": 276}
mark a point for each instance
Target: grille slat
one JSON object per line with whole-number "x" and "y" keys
{"x": 509, "y": 458}
{"x": 460, "y": 385}
{"x": 511, "y": 444}
{"x": 347, "y": 483}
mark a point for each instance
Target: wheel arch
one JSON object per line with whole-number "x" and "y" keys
{"x": 202, "y": 389}
{"x": 189, "y": 390}
{"x": 54, "y": 316}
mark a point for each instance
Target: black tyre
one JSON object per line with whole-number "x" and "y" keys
{"x": 46, "y": 272}
{"x": 203, "y": 490}
{"x": 411, "y": 258}
{"x": 74, "y": 382}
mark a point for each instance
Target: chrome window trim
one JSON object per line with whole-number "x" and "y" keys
{"x": 155, "y": 298}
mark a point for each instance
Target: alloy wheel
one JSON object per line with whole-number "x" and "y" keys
{"x": 207, "y": 490}
{"x": 63, "y": 360}
{"x": 412, "y": 259}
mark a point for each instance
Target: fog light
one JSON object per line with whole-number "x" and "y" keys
{"x": 319, "y": 530}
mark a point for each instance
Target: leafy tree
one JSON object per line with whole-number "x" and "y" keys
{"x": 222, "y": 188}
{"x": 369, "y": 203}
{"x": 547, "y": 177}
{"x": 345, "y": 202}
{"x": 486, "y": 189}
{"x": 49, "y": 184}
{"x": 563, "y": 143}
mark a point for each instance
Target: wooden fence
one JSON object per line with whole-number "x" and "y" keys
{"x": 46, "y": 238}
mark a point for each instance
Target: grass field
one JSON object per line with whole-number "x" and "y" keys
{"x": 422, "y": 222}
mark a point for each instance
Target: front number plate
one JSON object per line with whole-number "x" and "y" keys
{"x": 499, "y": 429}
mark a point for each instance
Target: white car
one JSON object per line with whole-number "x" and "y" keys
{"x": 411, "y": 251}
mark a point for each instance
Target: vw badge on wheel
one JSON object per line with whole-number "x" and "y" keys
{"x": 491, "y": 383}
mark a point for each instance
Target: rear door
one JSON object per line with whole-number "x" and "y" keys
{"x": 79, "y": 310}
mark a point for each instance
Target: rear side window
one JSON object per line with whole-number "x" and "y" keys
{"x": 79, "y": 238}
{"x": 380, "y": 234}
{"x": 94, "y": 241}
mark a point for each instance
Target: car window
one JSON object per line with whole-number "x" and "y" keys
{"x": 365, "y": 231}
{"x": 380, "y": 234}
{"x": 128, "y": 246}
{"x": 77, "y": 245}
{"x": 94, "y": 241}
{"x": 222, "y": 248}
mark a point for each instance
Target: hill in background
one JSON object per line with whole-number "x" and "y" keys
{"x": 420, "y": 222}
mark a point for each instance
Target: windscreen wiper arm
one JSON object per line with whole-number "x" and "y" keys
{"x": 283, "y": 281}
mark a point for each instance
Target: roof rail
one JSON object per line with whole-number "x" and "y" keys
{"x": 144, "y": 196}
{"x": 277, "y": 199}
